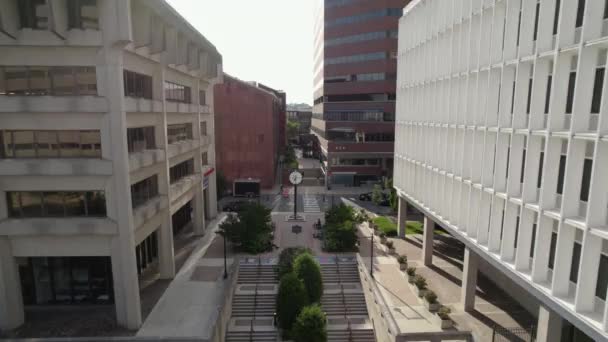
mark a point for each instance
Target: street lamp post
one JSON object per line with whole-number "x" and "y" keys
{"x": 225, "y": 262}
{"x": 371, "y": 258}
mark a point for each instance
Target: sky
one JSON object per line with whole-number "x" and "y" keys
{"x": 268, "y": 41}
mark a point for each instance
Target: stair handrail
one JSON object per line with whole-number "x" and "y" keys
{"x": 350, "y": 332}
{"x": 255, "y": 300}
{"x": 374, "y": 327}
{"x": 251, "y": 331}
{"x": 344, "y": 302}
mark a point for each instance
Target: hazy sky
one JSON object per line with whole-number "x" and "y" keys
{"x": 269, "y": 41}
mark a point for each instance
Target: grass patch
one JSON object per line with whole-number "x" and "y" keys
{"x": 388, "y": 227}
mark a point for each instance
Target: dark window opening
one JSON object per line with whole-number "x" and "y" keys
{"x": 179, "y": 132}
{"x": 556, "y": 17}
{"x": 146, "y": 253}
{"x": 602, "y": 278}
{"x": 82, "y": 14}
{"x": 560, "y": 176}
{"x": 26, "y": 204}
{"x": 528, "y": 104}
{"x": 181, "y": 170}
{"x": 532, "y": 245}
{"x": 552, "y": 250}
{"x": 140, "y": 139}
{"x": 523, "y": 165}
{"x": 580, "y": 12}
{"x": 598, "y": 85}
{"x": 570, "y": 95}
{"x": 548, "y": 94}
{"x": 586, "y": 181}
{"x": 143, "y": 191}
{"x": 540, "y": 170}
{"x": 536, "y": 21}
{"x": 28, "y": 14}
{"x": 576, "y": 259}
{"x": 177, "y": 93}
{"x": 137, "y": 85}
{"x": 50, "y": 144}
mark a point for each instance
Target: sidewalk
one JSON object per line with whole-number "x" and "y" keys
{"x": 190, "y": 305}
{"x": 492, "y": 306}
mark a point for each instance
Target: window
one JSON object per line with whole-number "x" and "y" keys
{"x": 556, "y": 16}
{"x": 552, "y": 250}
{"x": 48, "y": 80}
{"x": 586, "y": 181}
{"x": 205, "y": 159}
{"x": 203, "y": 128}
{"x": 602, "y": 278}
{"x": 179, "y": 132}
{"x": 31, "y": 14}
{"x": 548, "y": 94}
{"x": 50, "y": 144}
{"x": 529, "y": 101}
{"x": 532, "y": 244}
{"x": 576, "y": 260}
{"x": 361, "y": 37}
{"x": 202, "y": 98}
{"x": 56, "y": 204}
{"x": 536, "y": 21}
{"x": 181, "y": 170}
{"x": 598, "y": 85}
{"x": 540, "y": 170}
{"x": 177, "y": 93}
{"x": 570, "y": 98}
{"x": 359, "y": 97}
{"x": 83, "y": 14}
{"x": 146, "y": 252}
{"x": 560, "y": 176}
{"x": 580, "y": 11}
{"x": 140, "y": 139}
{"x": 356, "y": 58}
{"x": 393, "y": 12}
{"x": 137, "y": 85}
{"x": 143, "y": 191}
{"x": 523, "y": 166}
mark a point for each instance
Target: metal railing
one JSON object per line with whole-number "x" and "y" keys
{"x": 518, "y": 334}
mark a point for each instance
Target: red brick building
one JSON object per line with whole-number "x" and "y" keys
{"x": 354, "y": 88}
{"x": 250, "y": 130}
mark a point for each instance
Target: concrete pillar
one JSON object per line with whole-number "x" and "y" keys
{"x": 11, "y": 301}
{"x": 427, "y": 241}
{"x": 212, "y": 195}
{"x": 199, "y": 212}
{"x": 469, "y": 280}
{"x": 126, "y": 284}
{"x": 166, "y": 253}
{"x": 549, "y": 326}
{"x": 402, "y": 217}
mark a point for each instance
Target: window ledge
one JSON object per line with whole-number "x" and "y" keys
{"x": 181, "y": 147}
{"x": 145, "y": 158}
{"x": 58, "y": 226}
{"x": 149, "y": 209}
{"x": 183, "y": 185}
{"x": 53, "y": 104}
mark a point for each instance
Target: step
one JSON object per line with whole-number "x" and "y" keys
{"x": 245, "y": 336}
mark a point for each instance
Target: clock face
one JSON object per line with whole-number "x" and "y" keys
{"x": 295, "y": 178}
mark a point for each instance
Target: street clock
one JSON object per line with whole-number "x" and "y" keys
{"x": 295, "y": 178}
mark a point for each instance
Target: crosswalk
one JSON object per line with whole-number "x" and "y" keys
{"x": 311, "y": 204}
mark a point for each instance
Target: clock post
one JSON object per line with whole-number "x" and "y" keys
{"x": 295, "y": 178}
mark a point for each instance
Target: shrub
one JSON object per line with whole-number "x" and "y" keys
{"x": 340, "y": 214}
{"x": 291, "y": 299}
{"x": 390, "y": 244}
{"x": 340, "y": 237}
{"x": 386, "y": 226}
{"x": 362, "y": 216}
{"x": 309, "y": 271}
{"x": 382, "y": 235}
{"x": 287, "y": 257}
{"x": 251, "y": 229}
{"x": 444, "y": 313}
{"x": 310, "y": 326}
{"x": 402, "y": 259}
{"x": 431, "y": 297}
{"x": 420, "y": 282}
{"x": 411, "y": 271}
{"x": 377, "y": 195}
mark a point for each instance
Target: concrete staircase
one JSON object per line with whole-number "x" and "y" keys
{"x": 253, "y": 304}
{"x": 256, "y": 336}
{"x": 254, "y": 274}
{"x": 344, "y": 303}
{"x": 313, "y": 177}
{"x": 355, "y": 335}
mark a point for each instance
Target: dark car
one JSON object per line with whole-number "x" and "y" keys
{"x": 236, "y": 206}
{"x": 365, "y": 196}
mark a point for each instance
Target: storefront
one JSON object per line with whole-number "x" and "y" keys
{"x": 181, "y": 218}
{"x": 66, "y": 280}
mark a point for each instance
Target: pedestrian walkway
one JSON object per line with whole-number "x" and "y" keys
{"x": 492, "y": 306}
{"x": 311, "y": 204}
{"x": 190, "y": 306}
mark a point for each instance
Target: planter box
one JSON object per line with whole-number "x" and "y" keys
{"x": 410, "y": 279}
{"x": 402, "y": 267}
{"x": 432, "y": 307}
{"x": 392, "y": 251}
{"x": 419, "y": 292}
{"x": 443, "y": 323}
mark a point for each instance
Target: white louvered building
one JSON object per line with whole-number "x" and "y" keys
{"x": 502, "y": 138}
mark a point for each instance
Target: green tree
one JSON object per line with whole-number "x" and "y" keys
{"x": 311, "y": 325}
{"x": 309, "y": 271}
{"x": 287, "y": 257}
{"x": 393, "y": 199}
{"x": 339, "y": 214}
{"x": 341, "y": 237}
{"x": 377, "y": 196}
{"x": 293, "y": 128}
{"x": 251, "y": 229}
{"x": 291, "y": 299}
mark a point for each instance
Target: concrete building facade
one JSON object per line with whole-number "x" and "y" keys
{"x": 502, "y": 138}
{"x": 106, "y": 121}
{"x": 250, "y": 133}
{"x": 354, "y": 88}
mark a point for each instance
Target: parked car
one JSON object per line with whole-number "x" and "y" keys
{"x": 367, "y": 196}
{"x": 236, "y": 206}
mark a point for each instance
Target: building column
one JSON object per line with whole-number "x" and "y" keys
{"x": 427, "y": 241}
{"x": 402, "y": 217}
{"x": 469, "y": 280}
{"x": 11, "y": 301}
{"x": 199, "y": 211}
{"x": 549, "y": 326}
{"x": 212, "y": 195}
{"x": 126, "y": 284}
{"x": 166, "y": 253}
